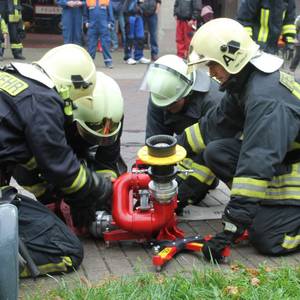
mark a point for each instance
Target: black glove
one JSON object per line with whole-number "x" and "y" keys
{"x": 213, "y": 249}
{"x": 190, "y": 191}
{"x": 96, "y": 195}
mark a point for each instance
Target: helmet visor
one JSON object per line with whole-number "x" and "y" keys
{"x": 103, "y": 134}
{"x": 165, "y": 84}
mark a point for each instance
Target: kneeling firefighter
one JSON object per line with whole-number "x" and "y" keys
{"x": 178, "y": 100}
{"x": 36, "y": 106}
{"x": 250, "y": 140}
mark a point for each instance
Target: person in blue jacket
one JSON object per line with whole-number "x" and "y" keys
{"x": 98, "y": 19}
{"x": 72, "y": 21}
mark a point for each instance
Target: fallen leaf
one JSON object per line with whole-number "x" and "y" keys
{"x": 234, "y": 267}
{"x": 268, "y": 269}
{"x": 232, "y": 290}
{"x": 255, "y": 281}
{"x": 85, "y": 281}
{"x": 252, "y": 271}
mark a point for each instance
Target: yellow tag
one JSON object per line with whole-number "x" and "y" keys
{"x": 11, "y": 84}
{"x": 200, "y": 245}
{"x": 164, "y": 253}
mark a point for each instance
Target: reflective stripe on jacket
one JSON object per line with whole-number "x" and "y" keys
{"x": 266, "y": 20}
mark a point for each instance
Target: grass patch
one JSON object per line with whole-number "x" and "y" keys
{"x": 237, "y": 283}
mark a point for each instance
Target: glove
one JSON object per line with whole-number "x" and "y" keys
{"x": 190, "y": 191}
{"x": 213, "y": 249}
{"x": 96, "y": 196}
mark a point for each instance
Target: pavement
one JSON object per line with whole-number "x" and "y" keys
{"x": 127, "y": 258}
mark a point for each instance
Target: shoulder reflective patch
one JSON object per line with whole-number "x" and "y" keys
{"x": 11, "y": 84}
{"x": 287, "y": 80}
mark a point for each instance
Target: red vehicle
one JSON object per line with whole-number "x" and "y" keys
{"x": 43, "y": 15}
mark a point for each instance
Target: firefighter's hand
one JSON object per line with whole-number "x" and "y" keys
{"x": 213, "y": 249}
{"x": 98, "y": 198}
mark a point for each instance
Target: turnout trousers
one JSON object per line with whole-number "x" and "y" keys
{"x": 275, "y": 229}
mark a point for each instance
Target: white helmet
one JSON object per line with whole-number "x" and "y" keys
{"x": 100, "y": 120}
{"x": 226, "y": 42}
{"x": 167, "y": 80}
{"x": 70, "y": 67}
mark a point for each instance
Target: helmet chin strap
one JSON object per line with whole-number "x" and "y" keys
{"x": 64, "y": 93}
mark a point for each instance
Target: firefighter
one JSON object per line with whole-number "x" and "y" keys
{"x": 266, "y": 20}
{"x": 36, "y": 106}
{"x": 94, "y": 135}
{"x": 11, "y": 12}
{"x": 250, "y": 140}
{"x": 178, "y": 100}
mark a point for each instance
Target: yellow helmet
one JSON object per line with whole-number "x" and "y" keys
{"x": 70, "y": 67}
{"x": 224, "y": 41}
{"x": 99, "y": 121}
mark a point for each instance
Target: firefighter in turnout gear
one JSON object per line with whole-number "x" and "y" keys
{"x": 250, "y": 140}
{"x": 10, "y": 10}
{"x": 170, "y": 110}
{"x": 266, "y": 20}
{"x": 94, "y": 135}
{"x": 36, "y": 107}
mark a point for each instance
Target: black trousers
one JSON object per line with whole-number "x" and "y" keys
{"x": 275, "y": 229}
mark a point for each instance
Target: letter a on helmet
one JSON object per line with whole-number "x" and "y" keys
{"x": 226, "y": 42}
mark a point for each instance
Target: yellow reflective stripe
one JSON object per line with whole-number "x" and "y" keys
{"x": 194, "y": 138}
{"x": 294, "y": 146}
{"x": 108, "y": 173}
{"x": 30, "y": 165}
{"x": 249, "y": 187}
{"x": 296, "y": 90}
{"x": 16, "y": 17}
{"x": 184, "y": 165}
{"x": 249, "y": 30}
{"x": 16, "y": 46}
{"x": 203, "y": 174}
{"x": 291, "y": 242}
{"x": 283, "y": 193}
{"x": 37, "y": 189}
{"x": 264, "y": 28}
{"x": 51, "y": 267}
{"x": 290, "y": 39}
{"x": 78, "y": 183}
{"x": 289, "y": 29}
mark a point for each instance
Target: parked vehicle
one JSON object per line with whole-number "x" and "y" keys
{"x": 42, "y": 15}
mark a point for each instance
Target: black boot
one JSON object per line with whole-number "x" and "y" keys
{"x": 17, "y": 53}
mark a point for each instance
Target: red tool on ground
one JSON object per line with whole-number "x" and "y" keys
{"x": 144, "y": 204}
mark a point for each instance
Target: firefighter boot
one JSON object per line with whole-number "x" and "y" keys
{"x": 17, "y": 53}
